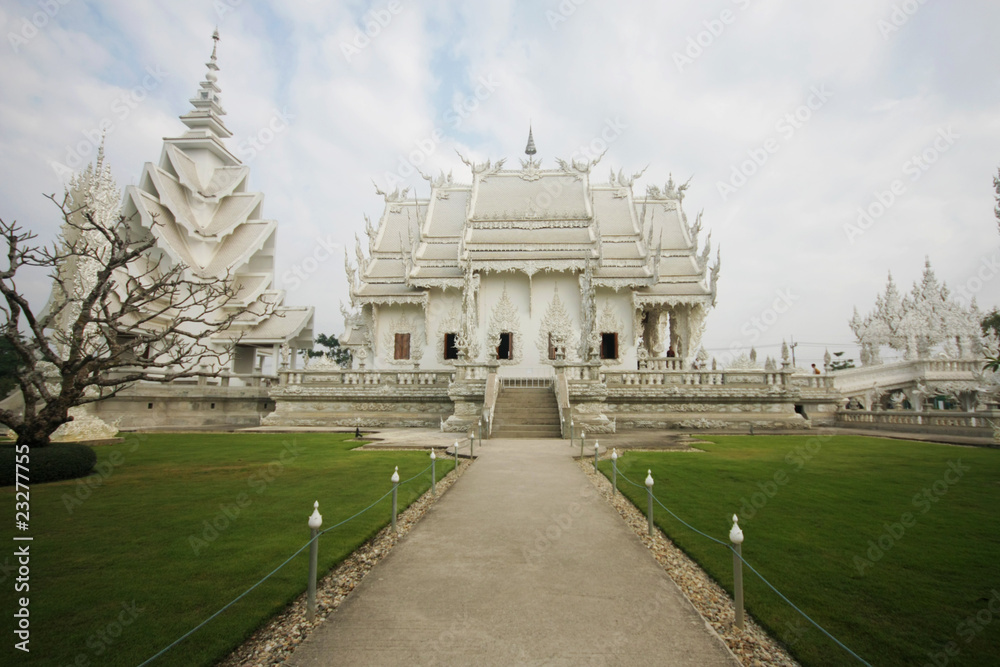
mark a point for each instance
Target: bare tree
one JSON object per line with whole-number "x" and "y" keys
{"x": 120, "y": 311}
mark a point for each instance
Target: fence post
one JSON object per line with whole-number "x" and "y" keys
{"x": 583, "y": 437}
{"x": 614, "y": 471}
{"x": 649, "y": 487}
{"x": 315, "y": 521}
{"x": 736, "y": 537}
{"x": 433, "y": 475}
{"x": 456, "y": 455}
{"x": 597, "y": 449}
{"x": 395, "y": 489}
{"x": 480, "y": 431}
{"x": 472, "y": 444}
{"x": 571, "y": 434}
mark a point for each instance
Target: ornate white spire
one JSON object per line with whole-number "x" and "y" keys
{"x": 206, "y": 118}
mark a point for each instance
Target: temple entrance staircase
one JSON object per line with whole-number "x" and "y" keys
{"x": 526, "y": 412}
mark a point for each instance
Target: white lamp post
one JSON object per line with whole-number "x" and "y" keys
{"x": 649, "y": 489}
{"x": 315, "y": 521}
{"x": 395, "y": 489}
{"x": 614, "y": 470}
{"x": 433, "y": 474}
{"x": 736, "y": 537}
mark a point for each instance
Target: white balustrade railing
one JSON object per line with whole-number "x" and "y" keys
{"x": 853, "y": 380}
{"x": 813, "y": 381}
{"x": 366, "y": 378}
{"x": 662, "y": 364}
{"x": 651, "y": 378}
{"x": 926, "y": 418}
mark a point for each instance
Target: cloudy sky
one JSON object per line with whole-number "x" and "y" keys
{"x": 829, "y": 143}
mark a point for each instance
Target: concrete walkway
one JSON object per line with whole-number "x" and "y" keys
{"x": 520, "y": 563}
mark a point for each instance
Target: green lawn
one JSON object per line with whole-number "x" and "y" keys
{"x": 892, "y": 546}
{"x": 176, "y": 526}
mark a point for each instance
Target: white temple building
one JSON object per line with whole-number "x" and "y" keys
{"x": 521, "y": 262}
{"x": 543, "y": 278}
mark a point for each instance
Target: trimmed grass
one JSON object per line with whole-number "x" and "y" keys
{"x": 172, "y": 527}
{"x": 892, "y": 546}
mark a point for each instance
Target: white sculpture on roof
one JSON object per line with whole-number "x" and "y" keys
{"x": 924, "y": 323}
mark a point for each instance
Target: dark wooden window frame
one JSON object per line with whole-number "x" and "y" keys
{"x": 609, "y": 345}
{"x": 402, "y": 350}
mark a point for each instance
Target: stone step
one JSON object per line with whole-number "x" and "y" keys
{"x": 526, "y": 400}
{"x": 526, "y": 413}
{"x": 525, "y": 433}
{"x": 534, "y": 420}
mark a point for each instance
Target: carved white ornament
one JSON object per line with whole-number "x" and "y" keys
{"x": 505, "y": 318}
{"x": 923, "y": 322}
{"x": 609, "y": 322}
{"x": 403, "y": 325}
{"x": 556, "y": 321}
{"x": 452, "y": 323}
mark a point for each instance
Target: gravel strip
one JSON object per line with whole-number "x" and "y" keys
{"x": 274, "y": 643}
{"x": 752, "y": 646}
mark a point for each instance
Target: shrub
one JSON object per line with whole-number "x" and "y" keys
{"x": 59, "y": 460}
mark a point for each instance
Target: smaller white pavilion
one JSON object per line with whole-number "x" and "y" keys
{"x": 198, "y": 204}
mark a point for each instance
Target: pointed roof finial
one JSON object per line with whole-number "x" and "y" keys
{"x": 530, "y": 148}
{"x": 206, "y": 117}
{"x": 215, "y": 38}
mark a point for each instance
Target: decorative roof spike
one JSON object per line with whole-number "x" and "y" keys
{"x": 205, "y": 120}
{"x": 530, "y": 149}
{"x": 215, "y": 38}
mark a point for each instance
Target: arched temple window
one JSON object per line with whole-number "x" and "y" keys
{"x": 451, "y": 346}
{"x": 505, "y": 350}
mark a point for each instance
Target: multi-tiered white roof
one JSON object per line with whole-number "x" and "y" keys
{"x": 533, "y": 220}
{"x": 198, "y": 204}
